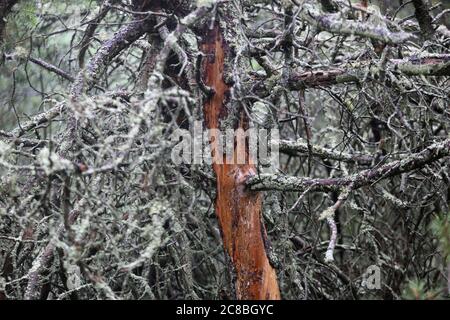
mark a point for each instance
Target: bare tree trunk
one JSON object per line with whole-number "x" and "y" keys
{"x": 238, "y": 209}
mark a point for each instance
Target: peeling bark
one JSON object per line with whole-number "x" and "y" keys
{"x": 238, "y": 209}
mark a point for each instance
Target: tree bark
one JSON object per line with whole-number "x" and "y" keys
{"x": 238, "y": 209}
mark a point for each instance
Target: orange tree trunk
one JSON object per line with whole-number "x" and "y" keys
{"x": 238, "y": 209}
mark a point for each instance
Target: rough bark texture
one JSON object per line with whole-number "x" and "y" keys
{"x": 237, "y": 208}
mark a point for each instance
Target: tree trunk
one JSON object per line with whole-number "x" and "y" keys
{"x": 238, "y": 209}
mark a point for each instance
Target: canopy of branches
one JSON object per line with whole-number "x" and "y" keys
{"x": 92, "y": 205}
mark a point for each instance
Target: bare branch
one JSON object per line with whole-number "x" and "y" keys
{"x": 336, "y": 24}
{"x": 426, "y": 65}
{"x": 52, "y": 68}
{"x": 323, "y": 153}
{"x": 415, "y": 161}
{"x": 112, "y": 47}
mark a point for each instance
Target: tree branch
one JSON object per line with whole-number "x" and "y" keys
{"x": 429, "y": 65}
{"x": 323, "y": 153}
{"x": 334, "y": 23}
{"x": 415, "y": 161}
{"x": 37, "y": 120}
{"x": 111, "y": 48}
{"x": 84, "y": 44}
{"x": 52, "y": 68}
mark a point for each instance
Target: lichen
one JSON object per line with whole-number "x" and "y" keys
{"x": 21, "y": 52}
{"x": 5, "y": 149}
{"x": 327, "y": 213}
{"x": 205, "y": 3}
{"x": 50, "y": 162}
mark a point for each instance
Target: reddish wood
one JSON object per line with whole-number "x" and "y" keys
{"x": 238, "y": 209}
